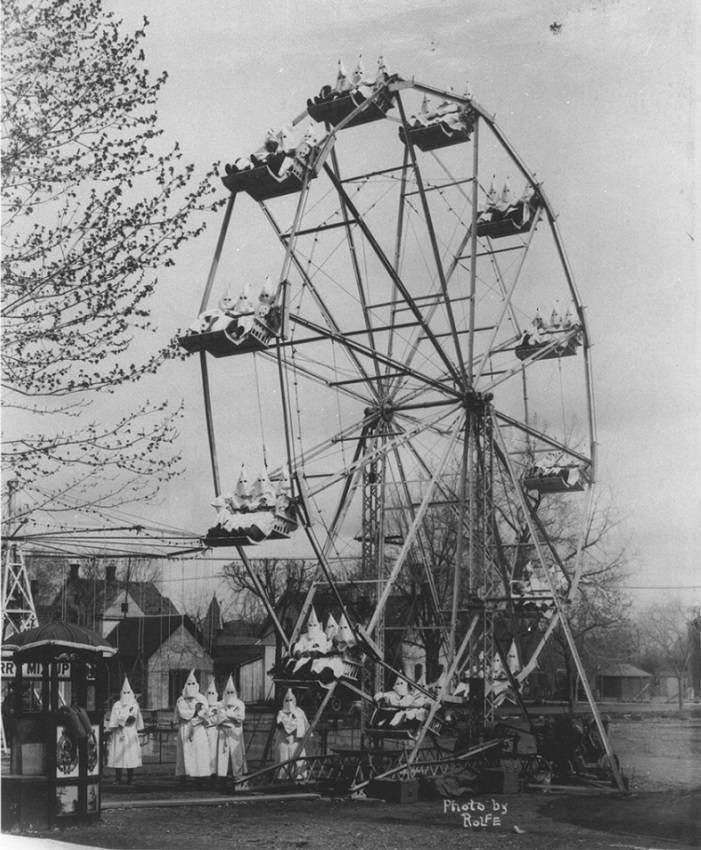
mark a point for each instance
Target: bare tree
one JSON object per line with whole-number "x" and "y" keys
{"x": 665, "y": 639}
{"x": 94, "y": 203}
{"x": 285, "y": 584}
{"x": 597, "y": 613}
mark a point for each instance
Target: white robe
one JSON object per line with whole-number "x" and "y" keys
{"x": 192, "y": 758}
{"x": 291, "y": 729}
{"x": 210, "y": 724}
{"x": 125, "y": 724}
{"x": 231, "y": 748}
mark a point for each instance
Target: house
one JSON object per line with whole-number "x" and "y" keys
{"x": 246, "y": 651}
{"x": 157, "y": 654}
{"x": 100, "y": 601}
{"x": 622, "y": 682}
{"x": 157, "y": 646}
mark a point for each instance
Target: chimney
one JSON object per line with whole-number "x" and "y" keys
{"x": 111, "y": 572}
{"x": 75, "y": 572}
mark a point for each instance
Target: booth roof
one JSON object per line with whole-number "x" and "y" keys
{"x": 61, "y": 636}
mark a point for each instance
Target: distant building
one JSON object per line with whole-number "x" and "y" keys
{"x": 100, "y": 601}
{"x": 622, "y": 682}
{"x": 157, "y": 653}
{"x": 157, "y": 646}
{"x": 246, "y": 651}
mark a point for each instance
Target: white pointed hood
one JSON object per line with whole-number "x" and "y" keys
{"x": 382, "y": 69}
{"x": 283, "y": 485}
{"x": 331, "y": 627}
{"x": 243, "y": 485}
{"x": 230, "y": 694}
{"x": 556, "y": 316}
{"x": 512, "y": 661}
{"x": 227, "y": 303}
{"x": 571, "y": 316}
{"x": 492, "y": 194}
{"x": 506, "y": 193}
{"x": 212, "y": 696}
{"x": 191, "y": 688}
{"x": 342, "y": 81}
{"x": 267, "y": 292}
{"x": 262, "y": 487}
{"x": 359, "y": 72}
{"x": 285, "y": 138}
{"x": 126, "y": 695}
{"x": 244, "y": 303}
{"x": 289, "y": 702}
{"x": 344, "y": 634}
{"x": 313, "y": 624}
{"x": 497, "y": 666}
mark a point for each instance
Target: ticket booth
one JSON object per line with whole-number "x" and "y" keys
{"x": 53, "y": 720}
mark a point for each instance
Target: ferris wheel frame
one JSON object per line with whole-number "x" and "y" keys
{"x": 455, "y": 383}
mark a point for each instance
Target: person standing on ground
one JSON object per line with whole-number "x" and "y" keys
{"x": 192, "y": 755}
{"x": 232, "y": 713}
{"x": 125, "y": 724}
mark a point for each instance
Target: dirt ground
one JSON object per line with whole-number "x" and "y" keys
{"x": 527, "y": 822}
{"x": 662, "y": 757}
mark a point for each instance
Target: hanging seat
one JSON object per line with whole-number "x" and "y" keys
{"x": 563, "y": 479}
{"x": 515, "y": 219}
{"x": 248, "y": 528}
{"x": 240, "y": 337}
{"x": 286, "y": 675}
{"x": 262, "y": 182}
{"x": 528, "y": 346}
{"x": 332, "y": 107}
{"x": 439, "y": 133}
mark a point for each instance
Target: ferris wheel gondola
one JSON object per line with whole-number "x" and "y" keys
{"x": 419, "y": 395}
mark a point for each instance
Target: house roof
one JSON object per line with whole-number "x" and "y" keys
{"x": 98, "y": 594}
{"x": 622, "y": 670}
{"x": 145, "y": 635}
{"x": 242, "y": 628}
{"x": 236, "y": 656}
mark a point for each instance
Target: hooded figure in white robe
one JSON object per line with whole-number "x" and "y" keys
{"x": 241, "y": 497}
{"x": 389, "y": 703}
{"x": 344, "y": 639}
{"x": 231, "y": 714}
{"x": 125, "y": 724}
{"x": 313, "y": 642}
{"x": 292, "y": 725}
{"x": 192, "y": 754}
{"x": 211, "y": 719}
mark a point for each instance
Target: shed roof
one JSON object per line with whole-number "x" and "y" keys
{"x": 144, "y": 635}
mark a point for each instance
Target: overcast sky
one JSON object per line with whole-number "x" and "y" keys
{"x": 603, "y": 112}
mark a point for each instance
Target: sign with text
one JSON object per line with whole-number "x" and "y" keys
{"x": 34, "y": 670}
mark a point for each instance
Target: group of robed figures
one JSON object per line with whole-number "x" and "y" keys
{"x": 209, "y": 739}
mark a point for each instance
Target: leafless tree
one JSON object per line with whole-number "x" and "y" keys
{"x": 665, "y": 639}
{"x": 94, "y": 203}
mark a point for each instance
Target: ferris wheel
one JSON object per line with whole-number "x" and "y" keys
{"x": 421, "y": 352}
